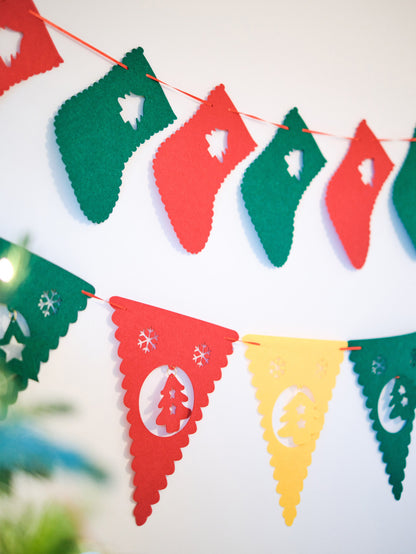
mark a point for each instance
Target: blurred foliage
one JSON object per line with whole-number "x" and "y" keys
{"x": 51, "y": 530}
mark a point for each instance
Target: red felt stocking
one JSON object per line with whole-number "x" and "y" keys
{"x": 350, "y": 200}
{"x": 189, "y": 172}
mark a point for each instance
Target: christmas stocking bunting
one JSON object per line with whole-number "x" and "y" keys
{"x": 351, "y": 193}
{"x": 38, "y": 301}
{"x": 98, "y": 130}
{"x": 404, "y": 192}
{"x": 273, "y": 185}
{"x": 386, "y": 370}
{"x": 294, "y": 379}
{"x": 192, "y": 163}
{"x": 26, "y": 48}
{"x": 170, "y": 363}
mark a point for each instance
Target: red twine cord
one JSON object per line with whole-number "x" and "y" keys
{"x": 78, "y": 39}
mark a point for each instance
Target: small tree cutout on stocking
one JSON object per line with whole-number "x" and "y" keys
{"x": 172, "y": 405}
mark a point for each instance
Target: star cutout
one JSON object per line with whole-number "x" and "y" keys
{"x": 13, "y": 350}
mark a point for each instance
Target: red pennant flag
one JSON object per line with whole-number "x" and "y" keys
{"x": 30, "y": 49}
{"x": 351, "y": 193}
{"x": 170, "y": 363}
{"x": 192, "y": 163}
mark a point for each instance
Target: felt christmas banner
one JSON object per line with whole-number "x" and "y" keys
{"x": 38, "y": 301}
{"x": 274, "y": 183}
{"x": 170, "y": 363}
{"x": 191, "y": 164}
{"x": 350, "y": 197}
{"x": 404, "y": 192}
{"x": 294, "y": 379}
{"x": 26, "y": 48}
{"x": 386, "y": 370}
{"x": 98, "y": 129}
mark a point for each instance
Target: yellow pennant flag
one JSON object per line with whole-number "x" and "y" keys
{"x": 294, "y": 379}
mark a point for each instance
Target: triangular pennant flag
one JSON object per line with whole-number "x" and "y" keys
{"x": 38, "y": 301}
{"x": 404, "y": 192}
{"x": 97, "y": 131}
{"x": 294, "y": 379}
{"x": 26, "y": 48}
{"x": 350, "y": 196}
{"x": 170, "y": 363}
{"x": 272, "y": 190}
{"x": 192, "y": 163}
{"x": 386, "y": 370}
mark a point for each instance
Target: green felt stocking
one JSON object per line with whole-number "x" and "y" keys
{"x": 96, "y": 136}
{"x": 386, "y": 370}
{"x": 38, "y": 301}
{"x": 404, "y": 192}
{"x": 271, "y": 194}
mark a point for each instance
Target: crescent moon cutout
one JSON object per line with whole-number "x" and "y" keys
{"x": 383, "y": 410}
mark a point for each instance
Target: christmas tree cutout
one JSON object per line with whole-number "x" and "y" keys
{"x": 274, "y": 183}
{"x": 386, "y": 370}
{"x": 172, "y": 405}
{"x": 96, "y": 138}
{"x": 38, "y": 302}
{"x": 26, "y": 48}
{"x": 9, "y": 45}
{"x": 294, "y": 379}
{"x": 302, "y": 418}
{"x": 195, "y": 352}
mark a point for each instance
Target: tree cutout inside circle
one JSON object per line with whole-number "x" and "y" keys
{"x": 302, "y": 418}
{"x": 172, "y": 405}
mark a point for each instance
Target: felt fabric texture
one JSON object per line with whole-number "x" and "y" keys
{"x": 95, "y": 141}
{"x": 37, "y": 52}
{"x": 37, "y": 305}
{"x": 152, "y": 340}
{"x": 187, "y": 173}
{"x": 349, "y": 200}
{"x": 386, "y": 371}
{"x": 294, "y": 379}
{"x": 404, "y": 192}
{"x": 271, "y": 194}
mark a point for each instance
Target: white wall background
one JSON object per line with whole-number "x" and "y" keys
{"x": 338, "y": 63}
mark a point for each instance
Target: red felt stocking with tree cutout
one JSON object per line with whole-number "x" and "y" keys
{"x": 350, "y": 199}
{"x": 33, "y": 51}
{"x": 190, "y": 166}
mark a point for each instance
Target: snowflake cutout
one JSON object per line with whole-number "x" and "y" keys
{"x": 147, "y": 340}
{"x": 49, "y": 302}
{"x": 277, "y": 368}
{"x": 321, "y": 369}
{"x": 201, "y": 355}
{"x": 378, "y": 366}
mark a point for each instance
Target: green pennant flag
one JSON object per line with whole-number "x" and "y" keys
{"x": 386, "y": 370}
{"x": 38, "y": 301}
{"x": 98, "y": 129}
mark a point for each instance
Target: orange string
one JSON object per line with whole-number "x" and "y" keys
{"x": 352, "y": 348}
{"x": 260, "y": 119}
{"x": 102, "y": 300}
{"x": 179, "y": 90}
{"x": 77, "y": 38}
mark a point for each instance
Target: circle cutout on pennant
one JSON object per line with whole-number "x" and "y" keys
{"x": 151, "y": 395}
